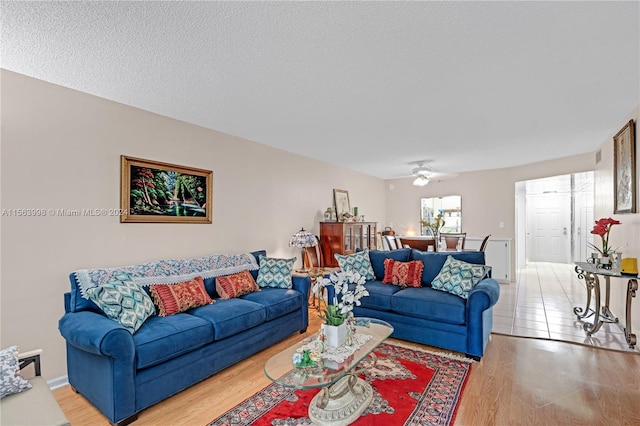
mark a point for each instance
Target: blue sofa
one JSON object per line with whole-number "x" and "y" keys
{"x": 121, "y": 373}
{"x": 429, "y": 316}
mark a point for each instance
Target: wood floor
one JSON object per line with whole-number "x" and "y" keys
{"x": 519, "y": 381}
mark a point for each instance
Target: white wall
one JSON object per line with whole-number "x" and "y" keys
{"x": 488, "y": 197}
{"x": 61, "y": 149}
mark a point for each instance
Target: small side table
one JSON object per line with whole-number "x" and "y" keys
{"x": 602, "y": 313}
{"x": 313, "y": 273}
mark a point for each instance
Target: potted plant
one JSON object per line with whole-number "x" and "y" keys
{"x": 343, "y": 300}
{"x": 435, "y": 226}
{"x": 603, "y": 228}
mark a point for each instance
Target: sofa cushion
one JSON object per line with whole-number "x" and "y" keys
{"x": 431, "y": 304}
{"x": 404, "y": 274}
{"x": 277, "y": 301}
{"x": 210, "y": 283}
{"x": 235, "y": 285}
{"x": 123, "y": 301}
{"x": 231, "y": 316}
{"x": 379, "y": 295}
{"x": 378, "y": 257}
{"x": 356, "y": 262}
{"x": 458, "y": 277}
{"x": 173, "y": 298}
{"x": 10, "y": 379}
{"x": 163, "y": 338}
{"x": 275, "y": 272}
{"x": 433, "y": 261}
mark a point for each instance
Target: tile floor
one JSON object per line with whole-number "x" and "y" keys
{"x": 540, "y": 304}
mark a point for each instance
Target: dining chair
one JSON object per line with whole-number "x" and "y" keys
{"x": 314, "y": 268}
{"x": 390, "y": 242}
{"x": 483, "y": 245}
{"x": 454, "y": 241}
{"x": 313, "y": 257}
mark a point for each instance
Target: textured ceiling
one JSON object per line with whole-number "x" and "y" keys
{"x": 372, "y": 86}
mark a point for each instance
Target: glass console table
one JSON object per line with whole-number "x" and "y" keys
{"x": 601, "y": 312}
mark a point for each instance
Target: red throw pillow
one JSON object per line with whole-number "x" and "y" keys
{"x": 403, "y": 274}
{"x": 173, "y": 298}
{"x": 236, "y": 285}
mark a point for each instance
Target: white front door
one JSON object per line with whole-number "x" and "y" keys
{"x": 548, "y": 227}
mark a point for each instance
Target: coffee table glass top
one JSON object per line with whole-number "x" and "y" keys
{"x": 280, "y": 368}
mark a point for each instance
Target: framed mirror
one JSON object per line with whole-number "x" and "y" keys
{"x": 450, "y": 207}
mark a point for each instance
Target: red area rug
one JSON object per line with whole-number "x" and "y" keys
{"x": 411, "y": 387}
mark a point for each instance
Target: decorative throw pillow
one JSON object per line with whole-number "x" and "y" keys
{"x": 123, "y": 301}
{"x": 10, "y": 380}
{"x": 404, "y": 274}
{"x": 275, "y": 272}
{"x": 173, "y": 298}
{"x": 235, "y": 285}
{"x": 459, "y": 277}
{"x": 357, "y": 262}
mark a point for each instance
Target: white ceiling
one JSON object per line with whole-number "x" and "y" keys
{"x": 372, "y": 86}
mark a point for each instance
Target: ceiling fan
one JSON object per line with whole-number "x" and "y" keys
{"x": 422, "y": 175}
{"x": 425, "y": 174}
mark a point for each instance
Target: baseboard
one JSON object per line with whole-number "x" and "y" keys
{"x": 58, "y": 382}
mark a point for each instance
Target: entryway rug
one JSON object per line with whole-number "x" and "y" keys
{"x": 411, "y": 387}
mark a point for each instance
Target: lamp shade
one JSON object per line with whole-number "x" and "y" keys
{"x": 303, "y": 238}
{"x": 421, "y": 180}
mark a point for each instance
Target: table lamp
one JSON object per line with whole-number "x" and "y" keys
{"x": 303, "y": 239}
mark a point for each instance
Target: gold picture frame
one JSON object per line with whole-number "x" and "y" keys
{"x": 341, "y": 201}
{"x": 155, "y": 192}
{"x": 624, "y": 169}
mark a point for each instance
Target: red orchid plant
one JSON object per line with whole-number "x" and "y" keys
{"x": 602, "y": 228}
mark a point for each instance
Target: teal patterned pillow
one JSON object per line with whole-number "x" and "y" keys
{"x": 275, "y": 272}
{"x": 357, "y": 262}
{"x": 123, "y": 301}
{"x": 458, "y": 277}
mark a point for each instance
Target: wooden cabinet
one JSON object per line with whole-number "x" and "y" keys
{"x": 345, "y": 238}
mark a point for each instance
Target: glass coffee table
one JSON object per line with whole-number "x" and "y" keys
{"x": 344, "y": 396}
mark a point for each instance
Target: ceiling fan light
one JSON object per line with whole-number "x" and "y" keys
{"x": 421, "y": 180}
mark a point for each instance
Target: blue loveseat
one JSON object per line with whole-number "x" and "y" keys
{"x": 122, "y": 373}
{"x": 429, "y": 316}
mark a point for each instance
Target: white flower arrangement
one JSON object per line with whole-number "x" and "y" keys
{"x": 343, "y": 299}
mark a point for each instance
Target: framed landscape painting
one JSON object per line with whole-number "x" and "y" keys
{"x": 156, "y": 192}
{"x": 624, "y": 169}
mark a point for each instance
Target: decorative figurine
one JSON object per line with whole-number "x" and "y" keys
{"x": 304, "y": 359}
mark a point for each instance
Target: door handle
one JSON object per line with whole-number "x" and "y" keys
{"x": 564, "y": 230}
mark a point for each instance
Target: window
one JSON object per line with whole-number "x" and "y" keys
{"x": 449, "y": 207}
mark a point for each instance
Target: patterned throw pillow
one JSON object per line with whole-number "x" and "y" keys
{"x": 357, "y": 262}
{"x": 275, "y": 272}
{"x": 458, "y": 277}
{"x": 404, "y": 274}
{"x": 236, "y": 285}
{"x": 10, "y": 380}
{"x": 123, "y": 301}
{"x": 173, "y": 298}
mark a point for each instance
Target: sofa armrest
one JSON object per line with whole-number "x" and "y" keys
{"x": 97, "y": 334}
{"x": 486, "y": 292}
{"x": 302, "y": 283}
{"x": 479, "y": 317}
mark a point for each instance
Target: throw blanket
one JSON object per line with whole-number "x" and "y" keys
{"x": 169, "y": 271}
